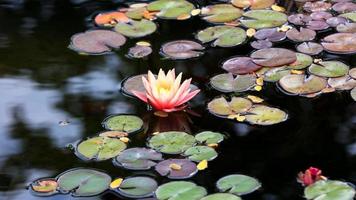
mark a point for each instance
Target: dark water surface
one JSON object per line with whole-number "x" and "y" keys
{"x": 42, "y": 83}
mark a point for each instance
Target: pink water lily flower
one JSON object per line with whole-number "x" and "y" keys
{"x": 166, "y": 93}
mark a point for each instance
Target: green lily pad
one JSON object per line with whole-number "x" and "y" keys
{"x": 274, "y": 74}
{"x": 136, "y": 13}
{"x": 254, "y": 5}
{"x": 172, "y": 142}
{"x": 221, "y": 13}
{"x": 220, "y": 196}
{"x": 329, "y": 69}
{"x": 138, "y": 187}
{"x": 199, "y": 153}
{"x": 221, "y": 107}
{"x": 180, "y": 190}
{"x": 299, "y": 84}
{"x": 136, "y": 29}
{"x": 170, "y": 9}
{"x": 83, "y": 182}
{"x": 259, "y": 19}
{"x": 238, "y": 184}
{"x": 223, "y": 36}
{"x": 124, "y": 123}
{"x": 100, "y": 148}
{"x": 350, "y": 15}
{"x": 228, "y": 83}
{"x": 303, "y": 61}
{"x": 209, "y": 137}
{"x": 329, "y": 190}
{"x": 138, "y": 158}
{"x": 265, "y": 115}
{"x": 353, "y": 94}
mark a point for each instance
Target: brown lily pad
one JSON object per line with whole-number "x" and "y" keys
{"x": 342, "y": 43}
{"x": 46, "y": 186}
{"x": 317, "y": 25}
{"x": 240, "y": 65}
{"x": 302, "y": 35}
{"x": 182, "y": 49}
{"x": 271, "y": 34}
{"x": 310, "y": 48}
{"x": 346, "y": 28}
{"x": 342, "y": 83}
{"x": 273, "y": 57}
{"x": 261, "y": 44}
{"x": 300, "y": 84}
{"x": 299, "y": 19}
{"x": 139, "y": 51}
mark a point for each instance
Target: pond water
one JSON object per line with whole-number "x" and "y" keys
{"x": 52, "y": 96}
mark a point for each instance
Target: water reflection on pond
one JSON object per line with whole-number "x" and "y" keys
{"x": 51, "y": 96}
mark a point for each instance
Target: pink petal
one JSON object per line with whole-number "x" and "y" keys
{"x": 140, "y": 95}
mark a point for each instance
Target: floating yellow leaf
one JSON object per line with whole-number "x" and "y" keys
{"x": 149, "y": 15}
{"x": 183, "y": 16}
{"x": 259, "y": 81}
{"x": 328, "y": 90}
{"x": 238, "y": 117}
{"x": 125, "y": 139}
{"x": 161, "y": 114}
{"x": 232, "y": 116}
{"x": 250, "y": 32}
{"x": 258, "y": 88}
{"x": 213, "y": 145}
{"x": 202, "y": 165}
{"x": 255, "y": 99}
{"x": 294, "y": 71}
{"x": 317, "y": 60}
{"x": 45, "y": 186}
{"x": 143, "y": 43}
{"x": 175, "y": 166}
{"x": 195, "y": 12}
{"x": 278, "y": 8}
{"x": 284, "y": 28}
{"x": 116, "y": 183}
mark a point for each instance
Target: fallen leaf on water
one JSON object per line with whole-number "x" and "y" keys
{"x": 45, "y": 186}
{"x": 195, "y": 12}
{"x": 255, "y": 99}
{"x": 250, "y": 32}
{"x": 202, "y": 165}
{"x": 284, "y": 28}
{"x": 258, "y": 88}
{"x": 213, "y": 145}
{"x": 175, "y": 166}
{"x": 143, "y": 43}
{"x": 116, "y": 183}
{"x": 259, "y": 81}
{"x": 278, "y": 8}
{"x": 294, "y": 71}
{"x": 125, "y": 139}
{"x": 183, "y": 16}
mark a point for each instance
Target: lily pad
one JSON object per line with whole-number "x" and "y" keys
{"x": 180, "y": 190}
{"x": 299, "y": 19}
{"x": 265, "y": 115}
{"x": 110, "y": 18}
{"x": 139, "y": 51}
{"x": 96, "y": 41}
{"x": 171, "y": 9}
{"x": 274, "y": 74}
{"x": 300, "y": 84}
{"x": 100, "y": 148}
{"x": 221, "y": 13}
{"x": 209, "y": 137}
{"x": 329, "y": 190}
{"x": 199, "y": 153}
{"x": 259, "y": 19}
{"x": 138, "y": 187}
{"x": 302, "y": 35}
{"x": 83, "y": 182}
{"x": 342, "y": 7}
{"x": 303, "y": 61}
{"x": 136, "y": 29}
{"x": 329, "y": 69}
{"x": 223, "y": 36}
{"x": 172, "y": 142}
{"x": 341, "y": 43}
{"x": 238, "y": 184}
{"x": 44, "y": 186}
{"x": 342, "y": 83}
{"x": 317, "y": 25}
{"x": 352, "y": 73}
{"x": 136, "y": 13}
{"x": 317, "y": 6}
{"x": 138, "y": 158}
{"x": 346, "y": 28}
{"x": 220, "y": 196}
{"x": 221, "y": 107}
{"x": 133, "y": 83}
{"x": 227, "y": 82}
{"x": 353, "y": 94}
{"x": 254, "y": 5}
{"x": 270, "y": 34}
{"x": 123, "y": 122}
{"x": 240, "y": 65}
{"x": 177, "y": 168}
{"x": 321, "y": 15}
{"x": 350, "y": 15}
{"x": 310, "y": 48}
{"x": 261, "y": 44}
{"x": 273, "y": 57}
{"x": 182, "y": 49}
{"x": 335, "y": 21}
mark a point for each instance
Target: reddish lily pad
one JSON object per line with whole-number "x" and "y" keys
{"x": 273, "y": 57}
{"x": 138, "y": 158}
{"x": 300, "y": 84}
{"x": 259, "y": 19}
{"x": 44, "y": 186}
{"x": 321, "y": 15}
{"x": 317, "y": 25}
{"x": 139, "y": 51}
{"x": 229, "y": 83}
{"x": 220, "y": 13}
{"x": 110, "y": 18}
{"x": 96, "y": 41}
{"x": 329, "y": 69}
{"x": 299, "y": 19}
{"x": 254, "y": 4}
{"x": 335, "y": 21}
{"x": 346, "y": 28}
{"x": 317, "y": 6}
{"x": 261, "y": 44}
{"x": 342, "y": 83}
{"x": 177, "y": 168}
{"x": 271, "y": 34}
{"x": 341, "y": 43}
{"x": 240, "y": 65}
{"x": 182, "y": 49}
{"x": 342, "y": 7}
{"x": 310, "y": 48}
{"x": 302, "y": 35}
{"x": 221, "y": 107}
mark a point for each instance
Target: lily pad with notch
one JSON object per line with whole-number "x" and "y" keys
{"x": 136, "y": 29}
{"x": 223, "y": 36}
{"x": 139, "y": 51}
{"x": 350, "y": 15}
{"x": 259, "y": 19}
{"x": 274, "y": 74}
{"x": 177, "y": 168}
{"x": 219, "y": 196}
{"x": 299, "y": 19}
{"x": 228, "y": 83}
{"x": 138, "y": 158}
{"x": 171, "y": 9}
{"x": 340, "y": 43}
{"x": 180, "y": 190}
{"x": 238, "y": 184}
{"x": 265, "y": 115}
{"x": 310, "y": 48}
{"x": 303, "y": 61}
{"x": 254, "y": 5}
{"x": 301, "y": 35}
{"x": 220, "y": 13}
{"x": 137, "y": 187}
{"x": 221, "y": 107}
{"x": 346, "y": 28}
{"x": 99, "y": 148}
{"x": 209, "y": 137}
{"x": 182, "y": 49}
{"x": 270, "y": 34}
{"x": 199, "y": 153}
{"x": 123, "y": 122}
{"x": 171, "y": 142}
{"x": 329, "y": 190}
{"x": 300, "y": 84}
{"x": 273, "y": 57}
{"x": 83, "y": 182}
{"x": 329, "y": 69}
{"x": 240, "y": 65}
{"x": 342, "y": 83}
